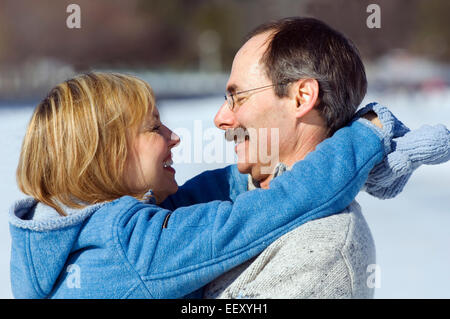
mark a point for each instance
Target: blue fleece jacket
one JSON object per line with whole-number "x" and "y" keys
{"x": 129, "y": 249}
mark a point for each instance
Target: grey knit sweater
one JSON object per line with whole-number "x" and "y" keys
{"x": 325, "y": 258}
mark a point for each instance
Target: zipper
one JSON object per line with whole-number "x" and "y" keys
{"x": 166, "y": 220}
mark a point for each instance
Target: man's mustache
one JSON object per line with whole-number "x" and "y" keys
{"x": 237, "y": 134}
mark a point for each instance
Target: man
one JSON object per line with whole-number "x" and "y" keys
{"x": 305, "y": 80}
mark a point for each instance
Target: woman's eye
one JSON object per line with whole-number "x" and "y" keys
{"x": 151, "y": 129}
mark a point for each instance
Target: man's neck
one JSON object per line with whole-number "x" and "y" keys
{"x": 307, "y": 141}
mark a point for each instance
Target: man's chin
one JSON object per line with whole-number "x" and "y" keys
{"x": 253, "y": 169}
{"x": 244, "y": 168}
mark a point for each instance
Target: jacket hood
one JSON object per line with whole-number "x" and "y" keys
{"x": 41, "y": 243}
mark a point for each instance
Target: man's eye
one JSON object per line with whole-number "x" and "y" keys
{"x": 239, "y": 99}
{"x": 156, "y": 128}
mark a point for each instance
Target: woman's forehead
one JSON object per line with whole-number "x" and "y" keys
{"x": 152, "y": 115}
{"x": 155, "y": 113}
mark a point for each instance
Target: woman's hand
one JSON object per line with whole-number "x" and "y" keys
{"x": 405, "y": 149}
{"x": 373, "y": 117}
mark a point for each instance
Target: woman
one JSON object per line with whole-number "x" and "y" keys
{"x": 94, "y": 148}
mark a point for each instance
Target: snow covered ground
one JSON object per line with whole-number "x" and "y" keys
{"x": 412, "y": 231}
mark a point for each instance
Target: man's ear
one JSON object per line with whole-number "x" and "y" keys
{"x": 306, "y": 93}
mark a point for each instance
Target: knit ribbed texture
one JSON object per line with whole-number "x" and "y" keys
{"x": 408, "y": 150}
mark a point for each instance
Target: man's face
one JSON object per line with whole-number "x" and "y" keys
{"x": 267, "y": 117}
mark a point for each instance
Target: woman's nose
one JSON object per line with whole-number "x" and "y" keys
{"x": 174, "y": 139}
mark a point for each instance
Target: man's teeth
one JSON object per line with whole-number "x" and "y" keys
{"x": 168, "y": 163}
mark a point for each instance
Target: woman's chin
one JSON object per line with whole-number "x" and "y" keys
{"x": 161, "y": 195}
{"x": 174, "y": 190}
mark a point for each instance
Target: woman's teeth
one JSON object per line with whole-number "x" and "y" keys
{"x": 168, "y": 163}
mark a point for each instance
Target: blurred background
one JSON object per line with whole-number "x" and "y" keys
{"x": 184, "y": 49}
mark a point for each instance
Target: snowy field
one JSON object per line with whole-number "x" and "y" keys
{"x": 412, "y": 231}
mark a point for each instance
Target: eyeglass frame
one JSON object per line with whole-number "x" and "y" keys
{"x": 231, "y": 107}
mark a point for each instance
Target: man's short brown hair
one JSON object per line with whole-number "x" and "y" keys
{"x": 308, "y": 48}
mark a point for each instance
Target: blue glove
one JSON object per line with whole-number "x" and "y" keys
{"x": 406, "y": 151}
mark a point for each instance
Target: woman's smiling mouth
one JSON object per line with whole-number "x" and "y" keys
{"x": 167, "y": 164}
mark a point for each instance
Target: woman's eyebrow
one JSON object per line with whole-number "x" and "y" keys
{"x": 150, "y": 122}
{"x": 155, "y": 118}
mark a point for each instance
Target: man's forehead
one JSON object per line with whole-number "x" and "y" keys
{"x": 247, "y": 69}
{"x": 256, "y": 44}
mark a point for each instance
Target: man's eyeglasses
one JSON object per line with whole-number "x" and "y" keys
{"x": 230, "y": 96}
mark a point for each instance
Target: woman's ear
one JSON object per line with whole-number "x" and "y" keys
{"x": 306, "y": 92}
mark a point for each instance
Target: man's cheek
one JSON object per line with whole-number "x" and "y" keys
{"x": 268, "y": 149}
{"x": 252, "y": 145}
{"x": 263, "y": 146}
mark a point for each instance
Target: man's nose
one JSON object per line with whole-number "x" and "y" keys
{"x": 224, "y": 118}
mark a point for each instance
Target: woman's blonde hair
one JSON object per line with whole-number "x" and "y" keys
{"x": 75, "y": 148}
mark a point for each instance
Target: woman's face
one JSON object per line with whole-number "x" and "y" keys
{"x": 149, "y": 158}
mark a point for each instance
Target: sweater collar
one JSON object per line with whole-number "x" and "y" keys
{"x": 278, "y": 170}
